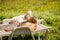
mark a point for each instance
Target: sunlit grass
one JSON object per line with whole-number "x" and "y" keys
{"x": 49, "y": 10}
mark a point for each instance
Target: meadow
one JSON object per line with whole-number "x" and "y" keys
{"x": 49, "y": 10}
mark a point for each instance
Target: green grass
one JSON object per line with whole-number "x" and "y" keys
{"x": 49, "y": 10}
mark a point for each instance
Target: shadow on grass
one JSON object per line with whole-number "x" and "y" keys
{"x": 23, "y": 37}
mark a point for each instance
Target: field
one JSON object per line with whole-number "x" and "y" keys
{"x": 49, "y": 10}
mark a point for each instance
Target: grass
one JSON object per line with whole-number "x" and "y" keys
{"x": 49, "y": 10}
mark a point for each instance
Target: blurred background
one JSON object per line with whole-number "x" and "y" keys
{"x": 49, "y": 10}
